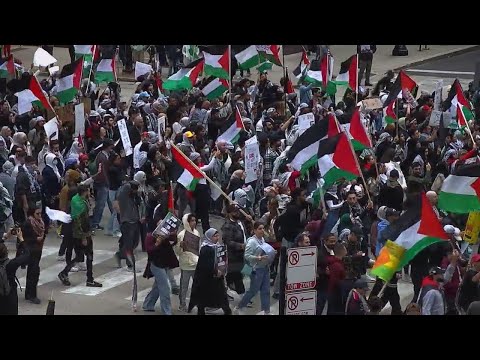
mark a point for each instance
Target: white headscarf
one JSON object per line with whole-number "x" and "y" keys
{"x": 49, "y": 161}
{"x": 75, "y": 150}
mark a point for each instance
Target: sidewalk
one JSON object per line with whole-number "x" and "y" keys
{"x": 382, "y": 61}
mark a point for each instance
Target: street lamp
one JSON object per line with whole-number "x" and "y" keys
{"x": 400, "y": 50}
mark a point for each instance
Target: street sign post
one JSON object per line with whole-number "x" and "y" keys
{"x": 301, "y": 303}
{"x": 301, "y": 268}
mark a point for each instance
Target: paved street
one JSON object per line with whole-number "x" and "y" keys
{"x": 114, "y": 297}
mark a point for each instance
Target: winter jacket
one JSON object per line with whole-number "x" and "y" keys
{"x": 235, "y": 239}
{"x": 162, "y": 256}
{"x": 382, "y": 225}
{"x": 431, "y": 298}
{"x": 187, "y": 259}
{"x": 391, "y": 195}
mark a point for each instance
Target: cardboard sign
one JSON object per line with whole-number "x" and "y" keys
{"x": 252, "y": 159}
{"x": 127, "y": 145}
{"x": 79, "y": 119}
{"x": 168, "y": 224}
{"x": 221, "y": 259}
{"x": 372, "y": 103}
{"x": 191, "y": 243}
{"x": 435, "y": 118}
{"x": 305, "y": 121}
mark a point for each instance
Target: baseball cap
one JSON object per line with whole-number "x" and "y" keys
{"x": 436, "y": 271}
{"x": 449, "y": 229}
{"x": 391, "y": 212}
{"x": 144, "y": 94}
{"x": 189, "y": 134}
{"x": 457, "y": 234}
{"x": 475, "y": 258}
{"x": 360, "y": 284}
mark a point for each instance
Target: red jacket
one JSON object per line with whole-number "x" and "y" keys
{"x": 337, "y": 274}
{"x": 450, "y": 288}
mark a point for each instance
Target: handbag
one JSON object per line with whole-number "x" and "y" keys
{"x": 247, "y": 270}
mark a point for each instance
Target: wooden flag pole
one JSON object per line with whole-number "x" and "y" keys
{"x": 207, "y": 178}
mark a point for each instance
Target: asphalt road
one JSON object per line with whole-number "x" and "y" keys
{"x": 461, "y": 66}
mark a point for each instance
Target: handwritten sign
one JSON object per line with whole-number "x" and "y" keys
{"x": 221, "y": 259}
{"x": 169, "y": 224}
{"x": 127, "y": 145}
{"x": 51, "y": 129}
{"x": 372, "y": 103}
{"x": 252, "y": 159}
{"x": 79, "y": 119}
{"x": 191, "y": 243}
{"x": 305, "y": 121}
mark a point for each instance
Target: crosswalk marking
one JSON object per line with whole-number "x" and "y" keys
{"x": 50, "y": 273}
{"x": 108, "y": 280}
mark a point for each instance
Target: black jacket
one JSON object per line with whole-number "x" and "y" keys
{"x": 289, "y": 224}
{"x": 366, "y": 55}
{"x": 232, "y": 235}
{"x": 391, "y": 197}
{"x": 9, "y": 303}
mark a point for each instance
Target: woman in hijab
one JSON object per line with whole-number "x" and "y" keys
{"x": 51, "y": 184}
{"x": 19, "y": 141}
{"x": 33, "y": 230}
{"x": 383, "y": 143}
{"x": 208, "y": 289}
{"x": 75, "y": 150}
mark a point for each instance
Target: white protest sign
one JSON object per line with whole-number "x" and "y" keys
{"x": 301, "y": 303}
{"x": 51, "y": 129}
{"x": 142, "y": 69}
{"x": 372, "y": 103}
{"x": 43, "y": 58}
{"x": 305, "y": 121}
{"x": 435, "y": 118}
{"x": 438, "y": 95}
{"x": 79, "y": 119}
{"x": 127, "y": 145}
{"x": 252, "y": 159}
{"x": 161, "y": 128}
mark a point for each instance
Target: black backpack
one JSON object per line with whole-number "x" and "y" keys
{"x": 4, "y": 283}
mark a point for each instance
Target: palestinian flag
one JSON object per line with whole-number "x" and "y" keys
{"x": 248, "y": 58}
{"x": 288, "y": 88}
{"x": 317, "y": 197}
{"x": 267, "y": 65}
{"x": 186, "y": 77}
{"x": 406, "y": 82}
{"x": 322, "y": 76}
{"x": 37, "y": 91}
{"x": 415, "y": 230}
{"x": 190, "y": 176}
{"x": 232, "y": 128}
{"x": 357, "y": 133}
{"x": 215, "y": 88}
{"x": 456, "y": 98}
{"x": 217, "y": 65}
{"x": 302, "y": 67}
{"x": 303, "y": 153}
{"x": 106, "y": 71}
{"x": 388, "y": 113}
{"x": 460, "y": 194}
{"x": 7, "y": 67}
{"x": 158, "y": 82}
{"x": 395, "y": 92}
{"x": 269, "y": 53}
{"x": 69, "y": 82}
{"x": 461, "y": 121}
{"x": 336, "y": 160}
{"x": 87, "y": 52}
{"x": 348, "y": 73}
{"x": 314, "y": 77}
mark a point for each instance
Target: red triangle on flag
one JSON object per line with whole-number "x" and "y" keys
{"x": 343, "y": 157}
{"x": 429, "y": 224}
{"x": 332, "y": 125}
{"x": 238, "y": 118}
{"x": 10, "y": 65}
{"x": 460, "y": 97}
{"x": 224, "y": 61}
{"x": 357, "y": 130}
{"x": 35, "y": 88}
{"x": 461, "y": 117}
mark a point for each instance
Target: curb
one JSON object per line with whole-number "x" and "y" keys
{"x": 439, "y": 57}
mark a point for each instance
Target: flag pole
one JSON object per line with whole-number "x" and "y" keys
{"x": 356, "y": 161}
{"x": 207, "y": 178}
{"x": 243, "y": 125}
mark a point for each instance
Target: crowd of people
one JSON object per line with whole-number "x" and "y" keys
{"x": 81, "y": 175}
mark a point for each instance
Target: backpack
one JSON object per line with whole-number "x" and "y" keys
{"x": 4, "y": 283}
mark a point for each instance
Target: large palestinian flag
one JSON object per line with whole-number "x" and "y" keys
{"x": 232, "y": 128}
{"x": 69, "y": 82}
{"x": 357, "y": 133}
{"x": 389, "y": 114}
{"x": 348, "y": 74}
{"x": 217, "y": 65}
{"x": 37, "y": 91}
{"x": 248, "y": 57}
{"x": 403, "y": 81}
{"x": 456, "y": 98}
{"x": 415, "y": 230}
{"x": 304, "y": 152}
{"x": 105, "y": 71}
{"x": 269, "y": 53}
{"x": 190, "y": 176}
{"x": 336, "y": 160}
{"x": 89, "y": 53}
{"x": 186, "y": 77}
{"x": 460, "y": 194}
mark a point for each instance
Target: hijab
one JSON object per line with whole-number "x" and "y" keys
{"x": 75, "y": 150}
{"x": 207, "y": 239}
{"x": 49, "y": 161}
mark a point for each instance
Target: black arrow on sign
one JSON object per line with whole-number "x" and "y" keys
{"x": 311, "y": 254}
{"x": 302, "y": 299}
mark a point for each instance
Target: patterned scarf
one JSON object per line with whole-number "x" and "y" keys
{"x": 37, "y": 225}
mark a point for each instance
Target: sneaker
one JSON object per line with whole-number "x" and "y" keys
{"x": 130, "y": 269}
{"x": 119, "y": 261}
{"x": 250, "y": 304}
{"x": 75, "y": 269}
{"x": 175, "y": 291}
{"x": 82, "y": 267}
{"x": 183, "y": 308}
{"x": 61, "y": 258}
{"x": 238, "y": 311}
{"x": 64, "y": 279}
{"x": 34, "y": 300}
{"x": 117, "y": 234}
{"x": 93, "y": 284}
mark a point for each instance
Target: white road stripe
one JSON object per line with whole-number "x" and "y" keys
{"x": 49, "y": 250}
{"x": 109, "y": 281}
{"x": 51, "y": 273}
{"x": 441, "y": 72}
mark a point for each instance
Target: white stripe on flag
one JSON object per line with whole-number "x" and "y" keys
{"x": 65, "y": 83}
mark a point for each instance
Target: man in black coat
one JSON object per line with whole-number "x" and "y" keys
{"x": 365, "y": 59}
{"x": 391, "y": 194}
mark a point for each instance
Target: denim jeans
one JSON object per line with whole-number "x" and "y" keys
{"x": 160, "y": 288}
{"x": 101, "y": 198}
{"x": 259, "y": 281}
{"x": 113, "y": 225}
{"x": 185, "y": 277}
{"x": 171, "y": 279}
